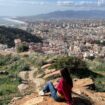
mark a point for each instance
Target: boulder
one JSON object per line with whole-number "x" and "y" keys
{"x": 83, "y": 82}
{"x": 46, "y": 66}
{"x": 23, "y": 75}
{"x": 52, "y": 75}
{"x": 33, "y": 74}
{"x": 39, "y": 83}
{"x": 22, "y": 88}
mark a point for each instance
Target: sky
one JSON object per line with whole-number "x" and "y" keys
{"x": 35, "y": 7}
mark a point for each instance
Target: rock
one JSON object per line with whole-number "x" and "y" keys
{"x": 52, "y": 75}
{"x": 34, "y": 101}
{"x": 15, "y": 99}
{"x": 23, "y": 75}
{"x": 48, "y": 71}
{"x": 83, "y": 82}
{"x": 32, "y": 74}
{"x": 22, "y": 88}
{"x": 39, "y": 83}
{"x": 46, "y": 66}
{"x": 40, "y": 75}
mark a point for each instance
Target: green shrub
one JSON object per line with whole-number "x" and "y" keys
{"x": 19, "y": 66}
{"x": 36, "y": 59}
{"x": 100, "y": 84}
{"x": 8, "y": 83}
{"x": 22, "y": 48}
{"x": 76, "y": 66}
{"x": 69, "y": 62}
{"x": 8, "y": 59}
{"x": 100, "y": 68}
{"x": 100, "y": 43}
{"x": 97, "y": 65}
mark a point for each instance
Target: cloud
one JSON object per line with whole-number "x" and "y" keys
{"x": 25, "y": 2}
{"x": 82, "y": 3}
{"x": 65, "y": 3}
{"x": 101, "y": 2}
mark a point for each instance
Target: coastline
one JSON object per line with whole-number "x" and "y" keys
{"x": 14, "y": 20}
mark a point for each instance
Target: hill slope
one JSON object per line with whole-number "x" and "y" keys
{"x": 7, "y": 36}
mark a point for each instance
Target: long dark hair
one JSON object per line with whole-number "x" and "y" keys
{"x": 66, "y": 76}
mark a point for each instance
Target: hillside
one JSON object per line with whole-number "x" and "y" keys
{"x": 23, "y": 75}
{"x": 7, "y": 36}
{"x": 93, "y": 14}
{"x": 83, "y": 91}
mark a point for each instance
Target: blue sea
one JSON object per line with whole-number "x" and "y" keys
{"x": 6, "y": 21}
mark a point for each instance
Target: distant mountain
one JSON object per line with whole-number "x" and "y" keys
{"x": 89, "y": 14}
{"x": 7, "y": 36}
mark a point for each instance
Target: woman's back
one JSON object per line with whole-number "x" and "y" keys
{"x": 65, "y": 89}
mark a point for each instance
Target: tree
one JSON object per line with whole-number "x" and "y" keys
{"x": 22, "y": 48}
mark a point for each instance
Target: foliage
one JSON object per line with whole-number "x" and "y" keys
{"x": 100, "y": 43}
{"x": 69, "y": 62}
{"x": 8, "y": 59}
{"x": 97, "y": 65}
{"x": 22, "y": 48}
{"x": 76, "y": 66}
{"x": 8, "y": 34}
{"x": 13, "y": 64}
{"x": 37, "y": 59}
{"x": 100, "y": 84}
{"x": 17, "y": 67}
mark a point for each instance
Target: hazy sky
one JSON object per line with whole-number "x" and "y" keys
{"x": 34, "y": 7}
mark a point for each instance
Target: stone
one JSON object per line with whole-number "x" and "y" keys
{"x": 34, "y": 101}
{"x": 83, "y": 82}
{"x": 23, "y": 75}
{"x": 39, "y": 83}
{"x": 52, "y": 75}
{"x": 22, "y": 88}
{"x": 46, "y": 66}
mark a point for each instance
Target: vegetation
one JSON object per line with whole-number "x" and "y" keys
{"x": 9, "y": 82}
{"x": 8, "y": 34}
{"x": 22, "y": 47}
{"x": 100, "y": 84}
{"x": 13, "y": 64}
{"x": 81, "y": 69}
{"x": 76, "y": 66}
{"x": 101, "y": 43}
{"x": 37, "y": 59}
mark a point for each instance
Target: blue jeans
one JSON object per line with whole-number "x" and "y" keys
{"x": 49, "y": 87}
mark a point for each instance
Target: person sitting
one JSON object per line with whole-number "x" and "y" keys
{"x": 63, "y": 90}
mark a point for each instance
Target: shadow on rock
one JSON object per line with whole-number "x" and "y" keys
{"x": 80, "y": 101}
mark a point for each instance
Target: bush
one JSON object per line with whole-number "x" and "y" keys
{"x": 100, "y": 43}
{"x": 100, "y": 84}
{"x": 12, "y": 64}
{"x": 69, "y": 62}
{"x": 8, "y": 59}
{"x": 76, "y": 66}
{"x": 22, "y": 48}
{"x": 18, "y": 66}
{"x": 37, "y": 59}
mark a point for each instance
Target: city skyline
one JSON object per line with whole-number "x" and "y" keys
{"x": 35, "y": 7}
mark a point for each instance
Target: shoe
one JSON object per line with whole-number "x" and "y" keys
{"x": 41, "y": 93}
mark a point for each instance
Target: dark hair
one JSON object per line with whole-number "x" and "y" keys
{"x": 66, "y": 76}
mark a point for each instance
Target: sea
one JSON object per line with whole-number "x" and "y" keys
{"x": 7, "y": 21}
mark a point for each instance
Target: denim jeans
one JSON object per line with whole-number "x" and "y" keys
{"x": 49, "y": 87}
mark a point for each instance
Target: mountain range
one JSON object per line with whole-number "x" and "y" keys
{"x": 69, "y": 14}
